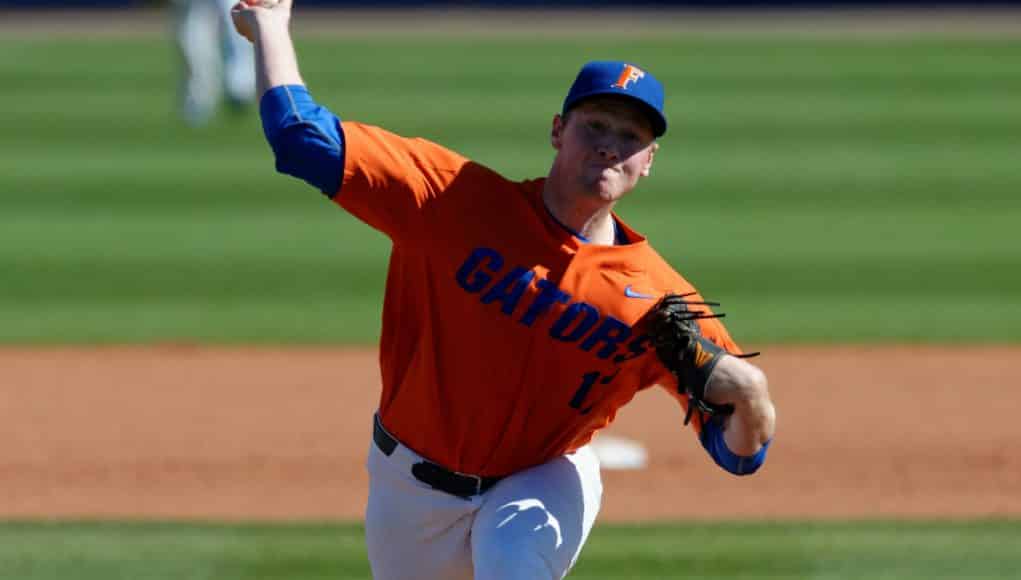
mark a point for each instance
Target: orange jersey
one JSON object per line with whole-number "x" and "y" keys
{"x": 506, "y": 340}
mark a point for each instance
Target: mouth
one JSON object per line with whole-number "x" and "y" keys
{"x": 603, "y": 168}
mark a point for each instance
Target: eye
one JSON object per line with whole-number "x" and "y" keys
{"x": 596, "y": 126}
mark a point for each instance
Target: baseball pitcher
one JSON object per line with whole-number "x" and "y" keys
{"x": 518, "y": 317}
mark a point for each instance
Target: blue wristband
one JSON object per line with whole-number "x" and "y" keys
{"x": 712, "y": 440}
{"x": 305, "y": 137}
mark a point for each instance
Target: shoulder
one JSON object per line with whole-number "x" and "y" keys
{"x": 364, "y": 134}
{"x": 662, "y": 275}
{"x": 368, "y": 143}
{"x": 665, "y": 278}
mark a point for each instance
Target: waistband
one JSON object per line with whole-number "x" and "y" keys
{"x": 436, "y": 476}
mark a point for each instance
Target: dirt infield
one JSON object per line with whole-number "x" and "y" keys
{"x": 187, "y": 432}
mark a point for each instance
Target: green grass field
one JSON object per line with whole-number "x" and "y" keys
{"x": 823, "y": 190}
{"x": 983, "y": 550}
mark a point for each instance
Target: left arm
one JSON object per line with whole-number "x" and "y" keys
{"x": 268, "y": 28}
{"x": 305, "y": 137}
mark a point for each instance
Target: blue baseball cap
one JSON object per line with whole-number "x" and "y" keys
{"x": 624, "y": 79}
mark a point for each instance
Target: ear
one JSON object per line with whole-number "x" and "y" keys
{"x": 557, "y": 132}
{"x": 648, "y": 162}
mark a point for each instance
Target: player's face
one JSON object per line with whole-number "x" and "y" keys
{"x": 604, "y": 146}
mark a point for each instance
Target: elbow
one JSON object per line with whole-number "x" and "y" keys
{"x": 287, "y": 146}
{"x": 285, "y": 156}
{"x": 306, "y": 139}
{"x": 310, "y": 154}
{"x": 749, "y": 465}
{"x": 715, "y": 437}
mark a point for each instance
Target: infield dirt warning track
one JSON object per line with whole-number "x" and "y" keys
{"x": 185, "y": 432}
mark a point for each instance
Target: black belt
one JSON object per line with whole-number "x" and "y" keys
{"x": 436, "y": 476}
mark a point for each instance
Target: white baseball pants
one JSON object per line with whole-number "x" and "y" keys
{"x": 530, "y": 525}
{"x": 216, "y": 60}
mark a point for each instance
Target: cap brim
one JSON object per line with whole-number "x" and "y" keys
{"x": 656, "y": 119}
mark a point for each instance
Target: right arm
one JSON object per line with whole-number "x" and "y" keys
{"x": 306, "y": 138}
{"x": 387, "y": 179}
{"x": 276, "y": 63}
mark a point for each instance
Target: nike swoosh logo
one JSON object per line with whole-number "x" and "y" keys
{"x": 632, "y": 294}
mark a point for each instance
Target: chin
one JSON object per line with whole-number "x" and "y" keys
{"x": 604, "y": 191}
{"x": 609, "y": 193}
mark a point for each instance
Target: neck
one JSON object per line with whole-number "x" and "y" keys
{"x": 587, "y": 216}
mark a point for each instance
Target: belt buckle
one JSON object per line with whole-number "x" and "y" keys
{"x": 477, "y": 478}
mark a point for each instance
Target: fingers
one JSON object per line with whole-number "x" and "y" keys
{"x": 241, "y": 24}
{"x": 268, "y": 4}
{"x": 248, "y": 14}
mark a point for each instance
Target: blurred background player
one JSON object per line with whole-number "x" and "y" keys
{"x": 217, "y": 65}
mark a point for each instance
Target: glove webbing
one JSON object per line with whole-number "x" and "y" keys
{"x": 704, "y": 354}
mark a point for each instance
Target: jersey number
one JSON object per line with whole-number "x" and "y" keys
{"x": 588, "y": 380}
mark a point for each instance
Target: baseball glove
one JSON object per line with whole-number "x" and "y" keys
{"x": 683, "y": 350}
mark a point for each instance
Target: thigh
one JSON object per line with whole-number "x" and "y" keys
{"x": 411, "y": 530}
{"x": 533, "y": 524}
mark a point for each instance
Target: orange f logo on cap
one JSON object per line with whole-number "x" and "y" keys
{"x": 630, "y": 74}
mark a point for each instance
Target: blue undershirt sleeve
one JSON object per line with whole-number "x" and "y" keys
{"x": 712, "y": 440}
{"x": 306, "y": 138}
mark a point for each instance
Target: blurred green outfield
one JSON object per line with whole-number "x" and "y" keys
{"x": 984, "y": 550}
{"x": 824, "y": 190}
{"x": 795, "y": 550}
